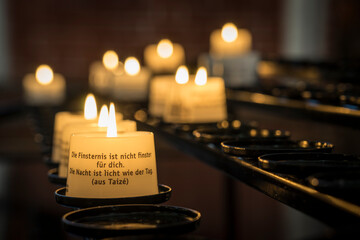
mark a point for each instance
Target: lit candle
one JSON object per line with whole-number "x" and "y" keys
{"x": 102, "y": 74}
{"x": 112, "y": 164}
{"x": 165, "y": 57}
{"x": 133, "y": 84}
{"x": 101, "y": 126}
{"x": 230, "y": 41}
{"x": 198, "y": 100}
{"x": 231, "y": 57}
{"x": 44, "y": 87}
{"x": 63, "y": 118}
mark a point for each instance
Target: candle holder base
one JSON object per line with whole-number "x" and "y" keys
{"x": 305, "y": 164}
{"x": 76, "y": 202}
{"x": 126, "y": 220}
{"x": 53, "y": 176}
{"x": 239, "y": 148}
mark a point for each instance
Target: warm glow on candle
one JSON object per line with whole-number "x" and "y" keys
{"x": 132, "y": 66}
{"x": 112, "y": 130}
{"x": 165, "y": 48}
{"x": 103, "y": 116}
{"x": 44, "y": 74}
{"x": 110, "y": 60}
{"x": 90, "y": 109}
{"x": 182, "y": 75}
{"x": 229, "y": 32}
{"x": 201, "y": 76}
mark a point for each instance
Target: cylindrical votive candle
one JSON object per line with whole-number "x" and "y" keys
{"x": 132, "y": 85}
{"x": 230, "y": 41}
{"x": 200, "y": 100}
{"x": 72, "y": 128}
{"x": 102, "y": 74}
{"x": 165, "y": 57}
{"x": 44, "y": 87}
{"x": 63, "y": 118}
{"x": 112, "y": 167}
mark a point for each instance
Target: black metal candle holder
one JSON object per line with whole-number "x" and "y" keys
{"x": 242, "y": 134}
{"x": 239, "y": 148}
{"x": 125, "y": 220}
{"x": 308, "y": 163}
{"x": 77, "y": 202}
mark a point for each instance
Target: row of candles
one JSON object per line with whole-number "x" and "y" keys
{"x": 129, "y": 80}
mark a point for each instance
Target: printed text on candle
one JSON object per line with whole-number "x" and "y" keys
{"x": 110, "y": 169}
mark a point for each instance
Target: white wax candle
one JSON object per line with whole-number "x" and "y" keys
{"x": 72, "y": 128}
{"x": 158, "y": 94}
{"x": 230, "y": 41}
{"x": 102, "y": 74}
{"x": 63, "y": 118}
{"x": 112, "y": 167}
{"x": 200, "y": 100}
{"x": 133, "y": 84}
{"x": 44, "y": 87}
{"x": 164, "y": 57}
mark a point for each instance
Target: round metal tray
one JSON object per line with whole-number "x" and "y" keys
{"x": 242, "y": 134}
{"x": 239, "y": 148}
{"x": 308, "y": 163}
{"x": 125, "y": 220}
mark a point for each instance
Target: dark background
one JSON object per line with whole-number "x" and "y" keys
{"x": 69, "y": 35}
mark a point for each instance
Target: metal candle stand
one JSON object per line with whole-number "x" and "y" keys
{"x": 303, "y": 182}
{"x": 306, "y": 162}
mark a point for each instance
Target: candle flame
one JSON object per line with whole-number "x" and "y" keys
{"x": 165, "y": 48}
{"x": 201, "y": 76}
{"x": 44, "y": 74}
{"x": 132, "y": 66}
{"x": 90, "y": 109}
{"x": 103, "y": 116}
{"x": 229, "y": 32}
{"x": 110, "y": 60}
{"x": 112, "y": 130}
{"x": 182, "y": 75}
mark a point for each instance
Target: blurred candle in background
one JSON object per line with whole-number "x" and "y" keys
{"x": 102, "y": 74}
{"x": 230, "y": 41}
{"x": 165, "y": 57}
{"x": 231, "y": 57}
{"x": 132, "y": 85}
{"x": 200, "y": 99}
{"x": 44, "y": 87}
